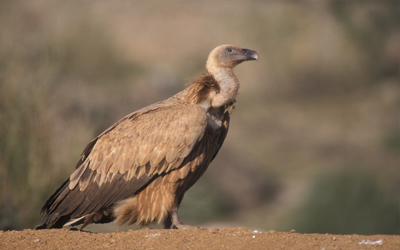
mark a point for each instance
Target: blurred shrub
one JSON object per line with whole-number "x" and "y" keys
{"x": 348, "y": 202}
{"x": 40, "y": 105}
{"x": 25, "y": 135}
{"x": 204, "y": 202}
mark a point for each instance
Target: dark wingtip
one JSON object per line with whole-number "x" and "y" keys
{"x": 52, "y": 221}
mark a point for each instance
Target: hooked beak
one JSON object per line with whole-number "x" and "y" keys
{"x": 250, "y": 54}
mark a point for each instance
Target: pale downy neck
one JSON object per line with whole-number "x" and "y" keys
{"x": 229, "y": 86}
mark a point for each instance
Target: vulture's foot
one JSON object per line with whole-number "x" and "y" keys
{"x": 183, "y": 226}
{"x": 173, "y": 222}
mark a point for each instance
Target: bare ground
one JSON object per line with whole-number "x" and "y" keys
{"x": 233, "y": 238}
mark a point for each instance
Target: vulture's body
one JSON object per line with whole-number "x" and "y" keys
{"x": 138, "y": 170}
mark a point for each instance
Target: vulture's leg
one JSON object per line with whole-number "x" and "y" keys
{"x": 173, "y": 222}
{"x": 168, "y": 222}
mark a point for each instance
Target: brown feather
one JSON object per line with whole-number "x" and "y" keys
{"x": 138, "y": 170}
{"x": 201, "y": 88}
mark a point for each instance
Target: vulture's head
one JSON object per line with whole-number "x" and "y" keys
{"x": 228, "y": 56}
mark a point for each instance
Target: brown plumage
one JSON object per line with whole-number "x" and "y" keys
{"x": 138, "y": 170}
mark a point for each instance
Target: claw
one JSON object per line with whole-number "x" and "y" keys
{"x": 173, "y": 222}
{"x": 183, "y": 226}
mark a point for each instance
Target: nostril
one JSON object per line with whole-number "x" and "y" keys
{"x": 244, "y": 51}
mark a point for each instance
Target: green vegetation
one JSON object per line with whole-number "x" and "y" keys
{"x": 348, "y": 202}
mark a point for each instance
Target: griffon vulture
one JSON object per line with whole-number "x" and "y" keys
{"x": 138, "y": 170}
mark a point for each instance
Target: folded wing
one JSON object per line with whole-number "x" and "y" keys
{"x": 124, "y": 160}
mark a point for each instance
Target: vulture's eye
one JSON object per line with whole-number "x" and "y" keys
{"x": 229, "y": 50}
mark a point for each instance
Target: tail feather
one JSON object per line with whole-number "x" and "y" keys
{"x": 49, "y": 205}
{"x": 94, "y": 204}
{"x": 54, "y": 220}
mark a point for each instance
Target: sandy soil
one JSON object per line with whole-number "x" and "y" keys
{"x": 233, "y": 238}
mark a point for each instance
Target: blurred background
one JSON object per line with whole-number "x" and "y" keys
{"x": 314, "y": 139}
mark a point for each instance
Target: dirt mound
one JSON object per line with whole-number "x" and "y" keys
{"x": 233, "y": 238}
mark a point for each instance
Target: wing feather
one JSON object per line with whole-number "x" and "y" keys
{"x": 185, "y": 151}
{"x": 85, "y": 178}
{"x": 145, "y": 153}
{"x": 161, "y": 167}
{"x": 159, "y": 152}
{"x": 127, "y": 156}
{"x": 119, "y": 162}
{"x": 128, "y": 163}
{"x": 75, "y": 176}
{"x": 172, "y": 154}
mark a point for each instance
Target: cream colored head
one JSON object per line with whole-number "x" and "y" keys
{"x": 228, "y": 56}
